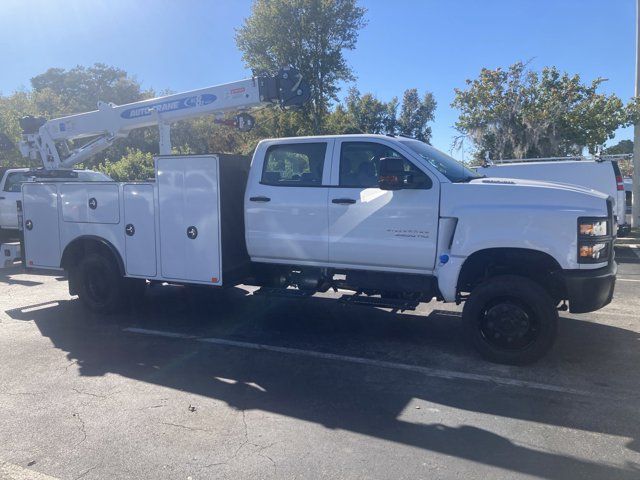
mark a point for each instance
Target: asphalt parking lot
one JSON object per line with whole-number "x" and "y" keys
{"x": 239, "y": 386}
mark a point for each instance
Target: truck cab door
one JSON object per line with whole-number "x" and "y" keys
{"x": 376, "y": 229}
{"x": 286, "y": 202}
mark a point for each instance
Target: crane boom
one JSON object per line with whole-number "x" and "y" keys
{"x": 46, "y": 140}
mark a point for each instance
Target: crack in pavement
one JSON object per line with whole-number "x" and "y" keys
{"x": 82, "y": 392}
{"x": 186, "y": 427}
{"x": 86, "y": 471}
{"x": 82, "y": 428}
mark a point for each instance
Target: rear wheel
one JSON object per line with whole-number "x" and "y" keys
{"x": 100, "y": 285}
{"x": 510, "y": 319}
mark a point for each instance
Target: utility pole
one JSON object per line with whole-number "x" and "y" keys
{"x": 635, "y": 211}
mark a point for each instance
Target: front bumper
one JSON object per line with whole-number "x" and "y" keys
{"x": 590, "y": 290}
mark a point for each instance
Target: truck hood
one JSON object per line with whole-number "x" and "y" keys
{"x": 511, "y": 193}
{"x": 539, "y": 184}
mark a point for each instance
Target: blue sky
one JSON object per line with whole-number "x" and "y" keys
{"x": 431, "y": 45}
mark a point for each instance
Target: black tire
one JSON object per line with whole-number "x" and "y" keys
{"x": 100, "y": 285}
{"x": 510, "y": 319}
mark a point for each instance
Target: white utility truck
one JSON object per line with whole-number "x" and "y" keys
{"x": 390, "y": 218}
{"x": 601, "y": 174}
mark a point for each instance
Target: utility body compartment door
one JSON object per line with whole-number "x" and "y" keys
{"x": 90, "y": 202}
{"x": 140, "y": 230}
{"x": 188, "y": 200}
{"x": 41, "y": 225}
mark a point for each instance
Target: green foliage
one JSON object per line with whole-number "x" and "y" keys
{"x": 415, "y": 114}
{"x": 80, "y": 88}
{"x": 621, "y": 148}
{"x": 364, "y": 113}
{"x": 134, "y": 165}
{"x": 518, "y": 113}
{"x": 311, "y": 35}
{"x": 58, "y": 92}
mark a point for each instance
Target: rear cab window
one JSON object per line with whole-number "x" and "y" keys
{"x": 294, "y": 165}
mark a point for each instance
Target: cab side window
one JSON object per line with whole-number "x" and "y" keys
{"x": 14, "y": 181}
{"x": 294, "y": 165}
{"x": 360, "y": 165}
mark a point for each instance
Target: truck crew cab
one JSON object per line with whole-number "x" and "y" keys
{"x": 390, "y": 218}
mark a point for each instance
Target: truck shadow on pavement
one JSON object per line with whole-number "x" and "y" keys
{"x": 368, "y": 400}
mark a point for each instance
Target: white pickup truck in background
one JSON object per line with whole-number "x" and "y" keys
{"x": 11, "y": 180}
{"x": 601, "y": 175}
{"x": 390, "y": 218}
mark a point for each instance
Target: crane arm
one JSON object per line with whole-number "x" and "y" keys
{"x": 45, "y": 140}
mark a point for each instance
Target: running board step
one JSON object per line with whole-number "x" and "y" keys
{"x": 380, "y": 302}
{"x": 283, "y": 292}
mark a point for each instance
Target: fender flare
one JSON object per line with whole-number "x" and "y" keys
{"x": 70, "y": 251}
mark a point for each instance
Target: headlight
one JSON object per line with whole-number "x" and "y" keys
{"x": 593, "y": 227}
{"x": 595, "y": 252}
{"x": 594, "y": 240}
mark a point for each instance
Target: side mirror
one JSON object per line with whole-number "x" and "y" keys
{"x": 392, "y": 174}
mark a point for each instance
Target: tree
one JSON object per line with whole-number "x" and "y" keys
{"x": 364, "y": 113}
{"x": 311, "y": 35}
{"x": 621, "y": 148}
{"x": 80, "y": 88}
{"x": 517, "y": 113}
{"x": 415, "y": 114}
{"x": 134, "y": 166}
{"x": 58, "y": 92}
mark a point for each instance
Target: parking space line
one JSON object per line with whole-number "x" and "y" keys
{"x": 159, "y": 333}
{"x": 627, "y": 280}
{"x": 9, "y": 471}
{"x": 427, "y": 371}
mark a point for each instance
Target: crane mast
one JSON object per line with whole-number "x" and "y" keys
{"x": 46, "y": 140}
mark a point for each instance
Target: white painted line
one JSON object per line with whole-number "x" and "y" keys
{"x": 39, "y": 307}
{"x": 9, "y": 471}
{"x": 428, "y": 371}
{"x": 431, "y": 372}
{"x": 159, "y": 333}
{"x": 627, "y": 280}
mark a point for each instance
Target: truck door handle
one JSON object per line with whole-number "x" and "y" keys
{"x": 343, "y": 201}
{"x": 260, "y": 199}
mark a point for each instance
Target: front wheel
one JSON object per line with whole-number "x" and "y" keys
{"x": 510, "y": 319}
{"x": 100, "y": 285}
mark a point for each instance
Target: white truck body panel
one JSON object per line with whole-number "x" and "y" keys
{"x": 590, "y": 174}
{"x": 189, "y": 205}
{"x": 140, "y": 230}
{"x": 186, "y": 195}
{"x": 42, "y": 229}
{"x": 10, "y": 191}
{"x": 80, "y": 204}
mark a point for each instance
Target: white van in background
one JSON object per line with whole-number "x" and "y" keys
{"x": 600, "y": 175}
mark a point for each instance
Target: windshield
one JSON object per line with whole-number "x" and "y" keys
{"x": 448, "y": 166}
